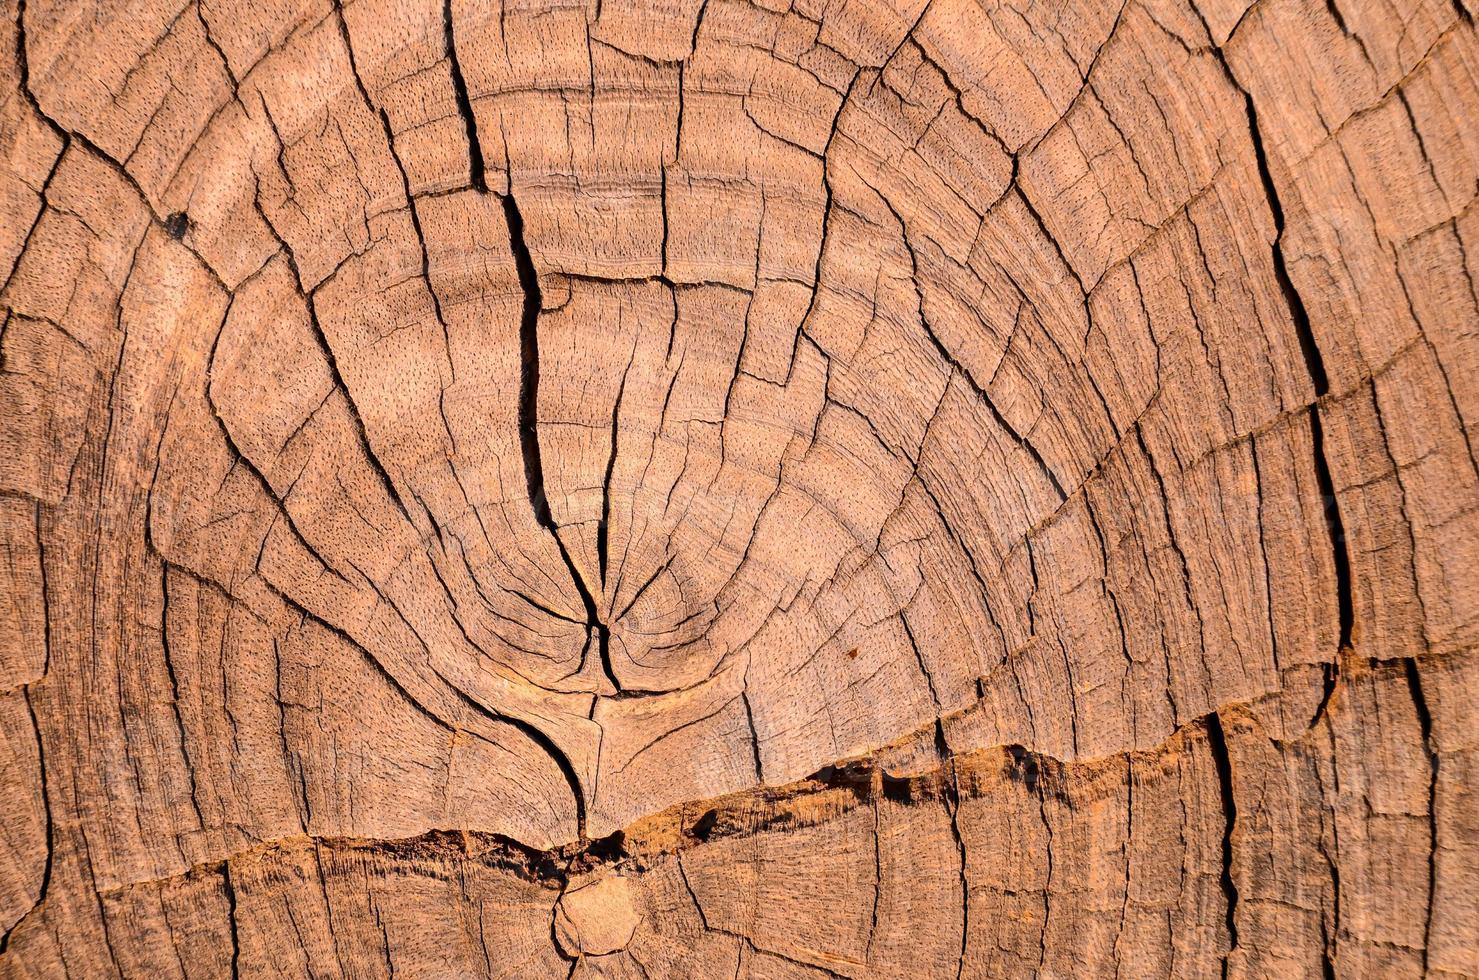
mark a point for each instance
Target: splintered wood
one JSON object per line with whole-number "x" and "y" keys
{"x": 721, "y": 488}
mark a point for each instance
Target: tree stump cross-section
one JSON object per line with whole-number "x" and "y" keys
{"x": 739, "y": 488}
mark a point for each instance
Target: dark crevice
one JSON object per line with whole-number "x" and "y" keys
{"x": 476, "y": 165}
{"x": 954, "y": 363}
{"x": 554, "y": 933}
{"x": 23, "y": 70}
{"x": 375, "y": 662}
{"x": 603, "y": 530}
{"x": 754, "y": 738}
{"x": 529, "y": 360}
{"x": 760, "y": 810}
{"x": 1030, "y": 770}
{"x": 44, "y": 581}
{"x": 1126, "y": 841}
{"x": 98, "y": 903}
{"x": 923, "y": 670}
{"x": 950, "y": 796}
{"x": 1333, "y": 8}
{"x": 177, "y": 224}
{"x": 816, "y": 283}
{"x": 291, "y": 761}
{"x": 1217, "y": 743}
{"x": 174, "y": 687}
{"x": 230, "y": 890}
{"x": 1329, "y": 675}
{"x": 279, "y": 501}
{"x": 205, "y": 28}
{"x": 877, "y": 881}
{"x": 1175, "y": 542}
{"x": 1042, "y": 226}
{"x": 1268, "y": 584}
{"x": 538, "y": 737}
{"x": 1425, "y": 725}
{"x": 1330, "y": 925}
{"x": 703, "y": 827}
{"x": 1335, "y": 524}
{"x": 310, "y": 304}
{"x": 535, "y": 603}
{"x": 529, "y": 431}
{"x": 359, "y": 80}
{"x": 323, "y": 887}
{"x": 692, "y": 896}
{"x": 642, "y": 589}
{"x": 373, "y": 458}
{"x": 436, "y": 302}
{"x": 1313, "y": 359}
{"x": 50, "y": 829}
{"x": 663, "y": 171}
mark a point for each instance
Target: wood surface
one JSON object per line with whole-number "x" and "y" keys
{"x": 723, "y": 488}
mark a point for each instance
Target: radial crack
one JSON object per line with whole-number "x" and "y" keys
{"x": 477, "y": 167}
{"x": 1217, "y": 743}
{"x": 529, "y": 432}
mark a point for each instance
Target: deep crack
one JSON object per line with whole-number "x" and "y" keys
{"x": 529, "y": 433}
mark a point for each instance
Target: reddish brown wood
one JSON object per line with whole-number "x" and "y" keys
{"x": 735, "y": 488}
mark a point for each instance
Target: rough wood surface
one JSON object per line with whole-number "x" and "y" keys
{"x": 708, "y": 488}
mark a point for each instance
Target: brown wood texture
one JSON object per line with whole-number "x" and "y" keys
{"x": 723, "y": 488}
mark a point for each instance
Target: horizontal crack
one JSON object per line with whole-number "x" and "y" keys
{"x": 843, "y": 785}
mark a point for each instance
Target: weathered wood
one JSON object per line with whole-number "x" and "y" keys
{"x": 735, "y": 488}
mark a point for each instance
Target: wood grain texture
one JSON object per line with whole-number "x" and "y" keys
{"x": 722, "y": 488}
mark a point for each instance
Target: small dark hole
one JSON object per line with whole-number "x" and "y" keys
{"x": 1025, "y": 768}
{"x": 897, "y": 790}
{"x": 704, "y": 827}
{"x": 608, "y": 848}
{"x": 177, "y": 224}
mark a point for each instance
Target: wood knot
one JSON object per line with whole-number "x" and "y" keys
{"x": 596, "y": 918}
